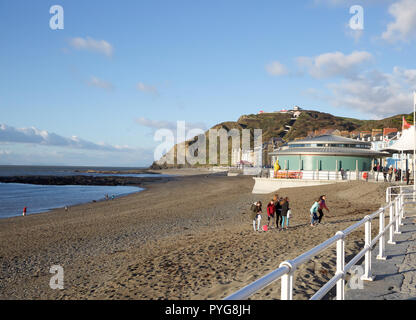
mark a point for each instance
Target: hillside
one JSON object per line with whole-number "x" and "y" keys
{"x": 273, "y": 126}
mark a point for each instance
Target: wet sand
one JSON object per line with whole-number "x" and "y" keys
{"x": 190, "y": 238}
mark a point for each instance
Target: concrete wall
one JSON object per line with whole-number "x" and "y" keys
{"x": 265, "y": 185}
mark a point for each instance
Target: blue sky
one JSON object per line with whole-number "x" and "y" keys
{"x": 119, "y": 70}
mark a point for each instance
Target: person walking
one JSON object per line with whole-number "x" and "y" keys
{"x": 407, "y": 176}
{"x": 313, "y": 210}
{"x": 322, "y": 206}
{"x": 385, "y": 171}
{"x": 270, "y": 213}
{"x": 256, "y": 215}
{"x": 24, "y": 211}
{"x": 278, "y": 210}
{"x": 285, "y": 208}
{"x": 342, "y": 174}
{"x": 378, "y": 171}
{"x": 390, "y": 173}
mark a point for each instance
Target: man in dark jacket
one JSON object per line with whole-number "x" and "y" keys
{"x": 278, "y": 210}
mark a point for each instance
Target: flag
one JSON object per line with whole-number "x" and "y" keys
{"x": 406, "y": 125}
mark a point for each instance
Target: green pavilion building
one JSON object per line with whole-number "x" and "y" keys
{"x": 327, "y": 153}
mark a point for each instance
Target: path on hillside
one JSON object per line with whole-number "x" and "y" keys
{"x": 395, "y": 278}
{"x": 287, "y": 127}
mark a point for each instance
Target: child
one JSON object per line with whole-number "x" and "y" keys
{"x": 285, "y": 211}
{"x": 259, "y": 212}
{"x": 256, "y": 215}
{"x": 289, "y": 214}
{"x": 313, "y": 210}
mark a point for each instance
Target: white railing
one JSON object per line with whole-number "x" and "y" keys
{"x": 396, "y": 190}
{"x": 287, "y": 269}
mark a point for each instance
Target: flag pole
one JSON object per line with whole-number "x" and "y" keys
{"x": 414, "y": 142}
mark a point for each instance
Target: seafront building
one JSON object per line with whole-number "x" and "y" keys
{"x": 327, "y": 153}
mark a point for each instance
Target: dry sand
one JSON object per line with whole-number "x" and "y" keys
{"x": 185, "y": 239}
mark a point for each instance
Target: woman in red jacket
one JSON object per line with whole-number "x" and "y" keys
{"x": 270, "y": 213}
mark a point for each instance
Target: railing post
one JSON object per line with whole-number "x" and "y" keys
{"x": 391, "y": 229}
{"x": 397, "y": 216}
{"x": 401, "y": 211}
{"x": 381, "y": 243}
{"x": 287, "y": 282}
{"x": 367, "y": 268}
{"x": 341, "y": 266}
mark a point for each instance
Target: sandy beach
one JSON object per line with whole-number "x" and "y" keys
{"x": 188, "y": 238}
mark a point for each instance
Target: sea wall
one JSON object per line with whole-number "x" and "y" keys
{"x": 266, "y": 185}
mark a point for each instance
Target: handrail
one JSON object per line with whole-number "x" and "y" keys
{"x": 313, "y": 252}
{"x": 259, "y": 284}
{"x": 287, "y": 269}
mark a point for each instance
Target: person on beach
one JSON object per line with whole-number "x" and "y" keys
{"x": 24, "y": 211}
{"x": 256, "y": 215}
{"x": 385, "y": 171}
{"x": 313, "y": 211}
{"x": 407, "y": 176}
{"x": 270, "y": 213}
{"x": 322, "y": 206}
{"x": 278, "y": 210}
{"x": 390, "y": 173}
{"x": 285, "y": 208}
{"x": 379, "y": 168}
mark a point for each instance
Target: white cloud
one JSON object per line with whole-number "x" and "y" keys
{"x": 42, "y": 137}
{"x": 404, "y": 26}
{"x": 376, "y": 93}
{"x": 5, "y": 152}
{"x": 90, "y": 44}
{"x": 333, "y": 64}
{"x": 99, "y": 83}
{"x": 275, "y": 68}
{"x": 147, "y": 88}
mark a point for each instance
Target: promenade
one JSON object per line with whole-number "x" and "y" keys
{"x": 395, "y": 278}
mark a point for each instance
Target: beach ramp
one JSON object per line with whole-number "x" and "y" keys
{"x": 268, "y": 185}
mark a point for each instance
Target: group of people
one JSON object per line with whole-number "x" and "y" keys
{"x": 391, "y": 174}
{"x": 279, "y": 213}
{"x": 318, "y": 208}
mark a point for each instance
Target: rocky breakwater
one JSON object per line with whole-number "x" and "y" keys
{"x": 85, "y": 180}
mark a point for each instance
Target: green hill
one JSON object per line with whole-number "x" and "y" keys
{"x": 273, "y": 126}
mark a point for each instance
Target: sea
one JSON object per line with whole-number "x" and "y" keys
{"x": 41, "y": 198}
